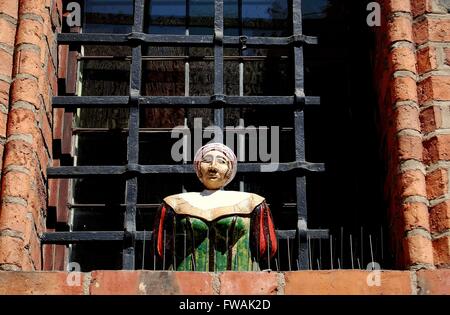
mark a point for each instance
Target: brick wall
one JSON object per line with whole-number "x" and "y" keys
{"x": 337, "y": 282}
{"x": 28, "y": 80}
{"x": 412, "y": 71}
{"x": 413, "y": 78}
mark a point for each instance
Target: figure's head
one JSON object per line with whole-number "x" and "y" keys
{"x": 215, "y": 165}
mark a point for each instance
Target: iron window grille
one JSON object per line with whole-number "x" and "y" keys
{"x": 130, "y": 172}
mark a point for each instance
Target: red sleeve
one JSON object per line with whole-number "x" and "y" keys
{"x": 163, "y": 230}
{"x": 264, "y": 240}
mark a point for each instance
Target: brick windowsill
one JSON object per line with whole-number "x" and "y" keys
{"x": 335, "y": 282}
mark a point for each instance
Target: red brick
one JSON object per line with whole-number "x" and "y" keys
{"x": 431, "y": 29}
{"x": 437, "y": 148}
{"x": 6, "y": 63}
{"x": 34, "y": 250}
{"x": 418, "y": 250}
{"x": 25, "y": 89}
{"x": 47, "y": 133}
{"x": 38, "y": 283}
{"x": 16, "y": 184}
{"x": 14, "y": 218}
{"x": 63, "y": 54}
{"x": 195, "y": 283}
{"x": 415, "y": 216}
{"x": 427, "y": 59}
{"x": 3, "y": 122}
{"x": 115, "y": 282}
{"x": 52, "y": 76}
{"x": 441, "y": 249}
{"x": 437, "y": 183}
{"x": 407, "y": 117}
{"x": 28, "y": 62}
{"x": 7, "y": 33}
{"x": 440, "y": 217}
{"x": 44, "y": 88}
{"x": 29, "y": 32}
{"x": 4, "y": 93}
{"x": 346, "y": 282}
{"x": 404, "y": 89}
{"x": 21, "y": 121}
{"x": 420, "y": 7}
{"x": 409, "y": 148}
{"x": 248, "y": 283}
{"x": 447, "y": 56}
{"x": 434, "y": 88}
{"x": 58, "y": 123}
{"x": 439, "y": 29}
{"x": 185, "y": 283}
{"x": 403, "y": 58}
{"x": 431, "y": 119}
{"x": 412, "y": 183}
{"x": 11, "y": 251}
{"x": 9, "y": 7}
{"x": 400, "y": 28}
{"x": 434, "y": 281}
{"x": 399, "y": 5}
{"x": 19, "y": 153}
{"x": 33, "y": 7}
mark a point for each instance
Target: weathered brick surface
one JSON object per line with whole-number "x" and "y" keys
{"x": 433, "y": 282}
{"x": 28, "y": 133}
{"x": 440, "y": 217}
{"x": 39, "y": 283}
{"x": 441, "y": 251}
{"x": 150, "y": 282}
{"x": 347, "y": 282}
{"x": 248, "y": 283}
{"x": 437, "y": 183}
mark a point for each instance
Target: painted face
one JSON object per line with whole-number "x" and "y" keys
{"x": 214, "y": 170}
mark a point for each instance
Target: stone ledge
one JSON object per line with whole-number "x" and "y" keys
{"x": 141, "y": 282}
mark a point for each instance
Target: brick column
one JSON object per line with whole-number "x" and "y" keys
{"x": 8, "y": 27}
{"x": 432, "y": 38}
{"x": 411, "y": 89}
{"x": 28, "y": 148}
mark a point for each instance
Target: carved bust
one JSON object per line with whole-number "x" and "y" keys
{"x": 214, "y": 230}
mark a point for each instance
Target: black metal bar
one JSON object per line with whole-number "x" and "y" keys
{"x": 288, "y": 102}
{"x": 218, "y": 67}
{"x": 85, "y": 171}
{"x": 91, "y": 236}
{"x": 133, "y": 142}
{"x": 180, "y": 40}
{"x": 300, "y": 140}
{"x": 64, "y": 238}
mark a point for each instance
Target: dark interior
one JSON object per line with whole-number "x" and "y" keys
{"x": 347, "y": 198}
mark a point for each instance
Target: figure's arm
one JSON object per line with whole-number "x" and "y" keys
{"x": 163, "y": 230}
{"x": 264, "y": 239}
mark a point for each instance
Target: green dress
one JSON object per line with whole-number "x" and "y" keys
{"x": 237, "y": 238}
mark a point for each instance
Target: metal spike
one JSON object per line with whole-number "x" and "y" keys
{"x": 351, "y": 251}
{"x": 331, "y": 251}
{"x": 143, "y": 252}
{"x": 185, "y": 248}
{"x": 342, "y": 246}
{"x": 362, "y": 246}
{"x": 289, "y": 254}
{"x": 359, "y": 265}
{"x": 308, "y": 238}
{"x": 371, "y": 249}
{"x": 318, "y": 264}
